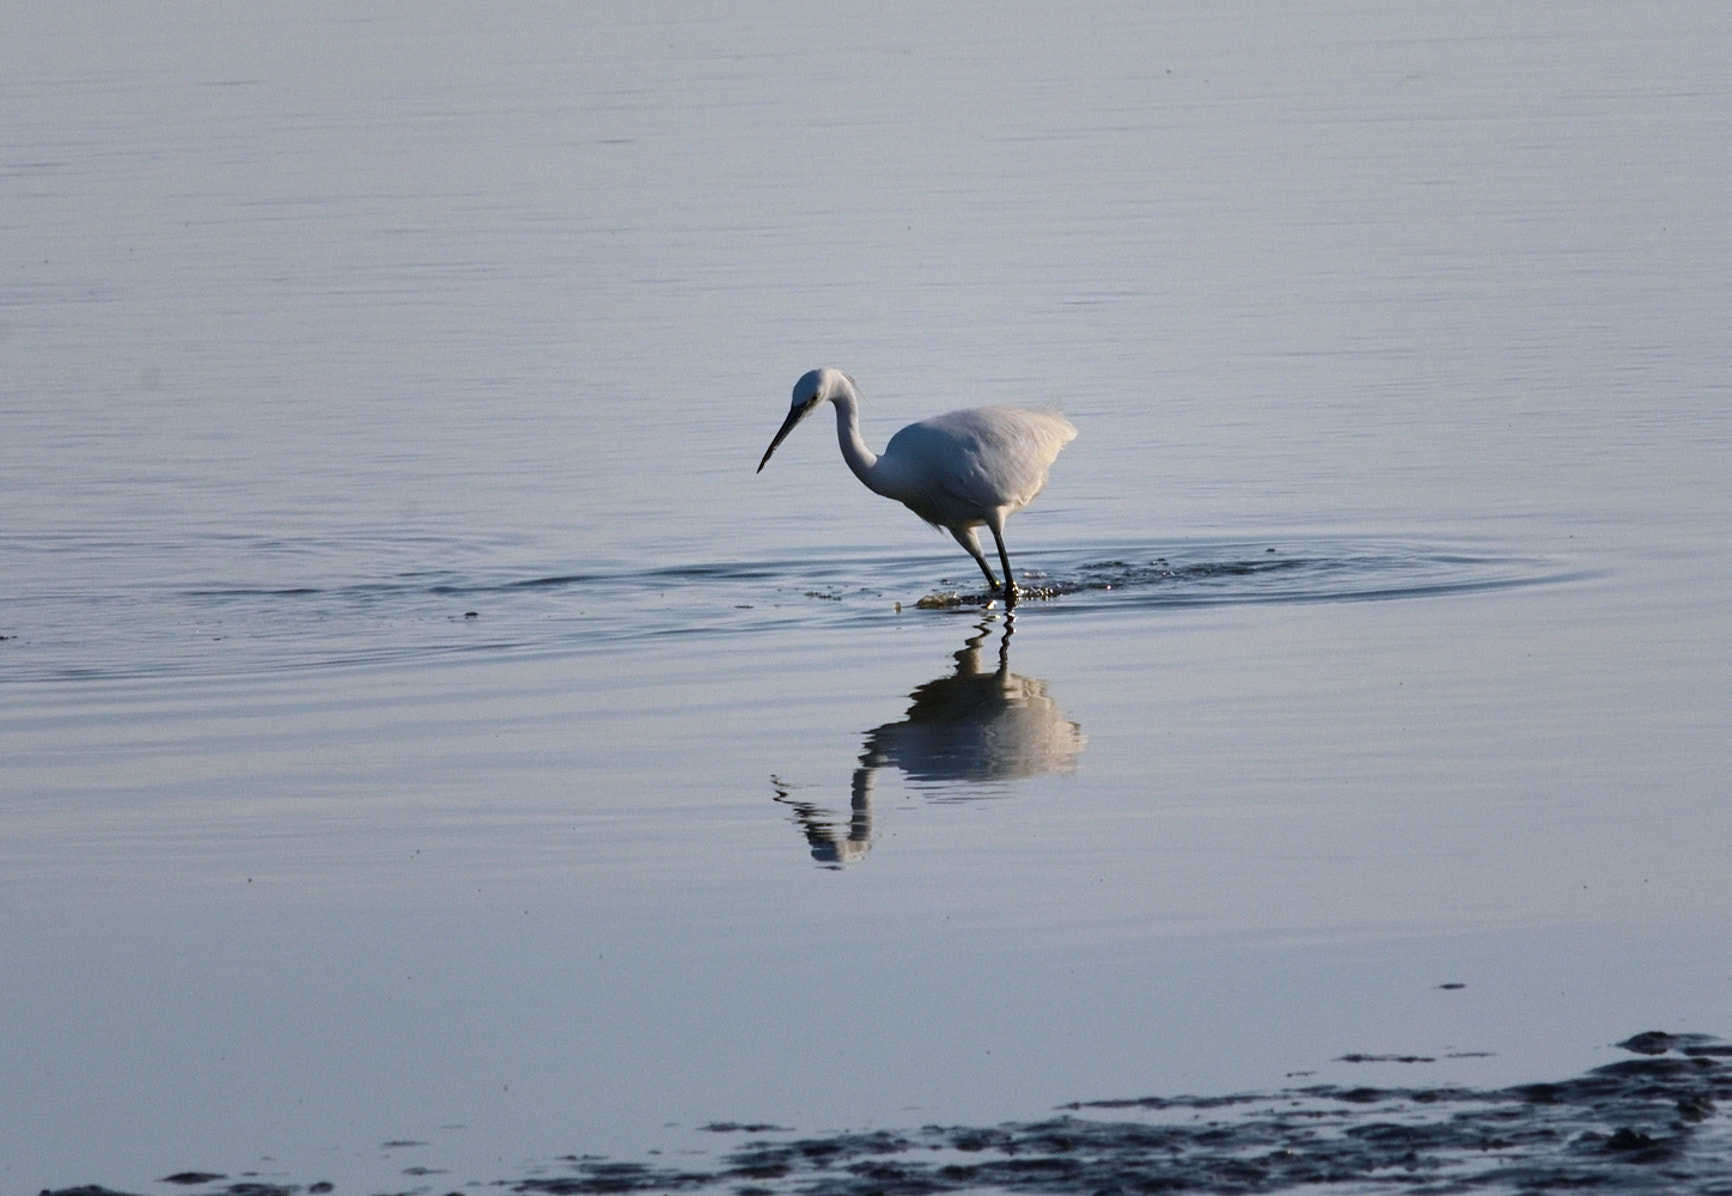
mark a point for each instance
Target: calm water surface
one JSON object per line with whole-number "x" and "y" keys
{"x": 427, "y": 751}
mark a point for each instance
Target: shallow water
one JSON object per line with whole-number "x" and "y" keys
{"x": 429, "y": 752}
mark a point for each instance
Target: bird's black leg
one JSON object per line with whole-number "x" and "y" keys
{"x": 966, "y": 537}
{"x": 991, "y": 581}
{"x": 1004, "y": 559}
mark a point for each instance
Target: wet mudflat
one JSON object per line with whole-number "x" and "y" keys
{"x": 1650, "y": 1123}
{"x": 1635, "y": 1126}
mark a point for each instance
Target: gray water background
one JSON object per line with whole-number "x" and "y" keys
{"x": 416, "y": 719}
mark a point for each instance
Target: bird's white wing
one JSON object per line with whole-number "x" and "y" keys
{"x": 956, "y": 467}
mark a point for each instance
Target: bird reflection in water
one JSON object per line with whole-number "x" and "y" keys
{"x": 976, "y": 725}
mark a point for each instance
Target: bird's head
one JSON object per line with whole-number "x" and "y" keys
{"x": 814, "y": 388}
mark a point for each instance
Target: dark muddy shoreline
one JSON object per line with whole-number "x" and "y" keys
{"x": 1649, "y": 1123}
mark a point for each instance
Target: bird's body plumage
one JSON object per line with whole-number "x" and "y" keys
{"x": 957, "y": 471}
{"x": 951, "y": 468}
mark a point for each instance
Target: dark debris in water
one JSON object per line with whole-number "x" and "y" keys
{"x": 1028, "y": 592}
{"x": 1648, "y": 1124}
{"x": 239, "y": 1189}
{"x": 744, "y": 1127}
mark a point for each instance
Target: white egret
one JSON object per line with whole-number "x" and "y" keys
{"x": 957, "y": 471}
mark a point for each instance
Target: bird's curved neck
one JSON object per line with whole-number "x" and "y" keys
{"x": 862, "y": 460}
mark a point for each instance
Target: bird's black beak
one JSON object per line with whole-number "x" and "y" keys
{"x": 794, "y": 417}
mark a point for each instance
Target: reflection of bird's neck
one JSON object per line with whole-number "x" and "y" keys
{"x": 862, "y": 460}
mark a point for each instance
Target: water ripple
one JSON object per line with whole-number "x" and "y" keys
{"x": 1237, "y": 573}
{"x": 221, "y": 627}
